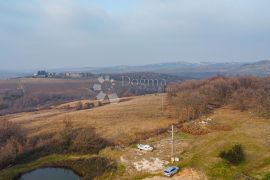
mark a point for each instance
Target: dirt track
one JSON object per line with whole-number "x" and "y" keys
{"x": 185, "y": 174}
{"x": 155, "y": 161}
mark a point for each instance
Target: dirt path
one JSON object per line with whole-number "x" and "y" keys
{"x": 151, "y": 162}
{"x": 185, "y": 174}
{"x": 155, "y": 162}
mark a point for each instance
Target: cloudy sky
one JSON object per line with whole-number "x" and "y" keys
{"x": 80, "y": 33}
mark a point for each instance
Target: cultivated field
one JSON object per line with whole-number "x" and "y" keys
{"x": 29, "y": 94}
{"x": 48, "y": 85}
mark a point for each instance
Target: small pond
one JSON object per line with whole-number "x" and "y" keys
{"x": 50, "y": 174}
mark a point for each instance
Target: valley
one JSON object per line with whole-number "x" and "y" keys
{"x": 140, "y": 120}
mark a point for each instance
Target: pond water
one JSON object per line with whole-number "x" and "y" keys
{"x": 50, "y": 174}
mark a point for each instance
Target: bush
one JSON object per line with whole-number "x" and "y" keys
{"x": 234, "y": 156}
{"x": 266, "y": 177}
{"x": 79, "y": 105}
{"x": 4, "y": 106}
{"x": 12, "y": 140}
{"x": 89, "y": 105}
{"x": 87, "y": 141}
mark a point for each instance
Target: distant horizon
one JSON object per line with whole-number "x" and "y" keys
{"x": 126, "y": 65}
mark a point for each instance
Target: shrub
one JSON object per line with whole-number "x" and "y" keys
{"x": 66, "y": 139}
{"x": 100, "y": 103}
{"x": 86, "y": 140}
{"x": 4, "y": 106}
{"x": 234, "y": 156}
{"x": 194, "y": 129}
{"x": 89, "y": 105}
{"x": 79, "y": 105}
{"x": 12, "y": 140}
{"x": 8, "y": 130}
{"x": 266, "y": 176}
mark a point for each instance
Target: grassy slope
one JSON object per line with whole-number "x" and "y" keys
{"x": 115, "y": 122}
{"x": 253, "y": 133}
{"x": 120, "y": 122}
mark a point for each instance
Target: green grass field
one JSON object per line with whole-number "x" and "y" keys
{"x": 253, "y": 133}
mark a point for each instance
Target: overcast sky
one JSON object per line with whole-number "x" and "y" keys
{"x": 80, "y": 33}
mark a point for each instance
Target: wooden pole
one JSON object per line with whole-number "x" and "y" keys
{"x": 172, "y": 153}
{"x": 162, "y": 103}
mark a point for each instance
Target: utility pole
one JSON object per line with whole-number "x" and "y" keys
{"x": 162, "y": 103}
{"x": 172, "y": 150}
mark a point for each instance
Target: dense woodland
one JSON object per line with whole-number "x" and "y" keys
{"x": 194, "y": 98}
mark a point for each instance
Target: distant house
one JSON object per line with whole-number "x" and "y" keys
{"x": 42, "y": 73}
{"x": 45, "y": 74}
{"x": 73, "y": 74}
{"x": 51, "y": 74}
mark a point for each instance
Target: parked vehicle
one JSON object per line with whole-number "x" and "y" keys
{"x": 145, "y": 147}
{"x": 170, "y": 171}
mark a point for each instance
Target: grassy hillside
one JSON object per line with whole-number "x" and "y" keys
{"x": 253, "y": 133}
{"x": 119, "y": 123}
{"x": 141, "y": 117}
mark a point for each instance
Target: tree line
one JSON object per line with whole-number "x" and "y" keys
{"x": 193, "y": 98}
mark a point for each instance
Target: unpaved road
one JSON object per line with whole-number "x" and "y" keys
{"x": 153, "y": 162}
{"x": 185, "y": 174}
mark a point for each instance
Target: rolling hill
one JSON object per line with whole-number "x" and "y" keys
{"x": 190, "y": 70}
{"x": 139, "y": 117}
{"x": 182, "y": 69}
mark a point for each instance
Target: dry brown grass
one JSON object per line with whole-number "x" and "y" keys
{"x": 128, "y": 120}
{"x": 48, "y": 85}
{"x": 194, "y": 129}
{"x": 119, "y": 123}
{"x": 246, "y": 129}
